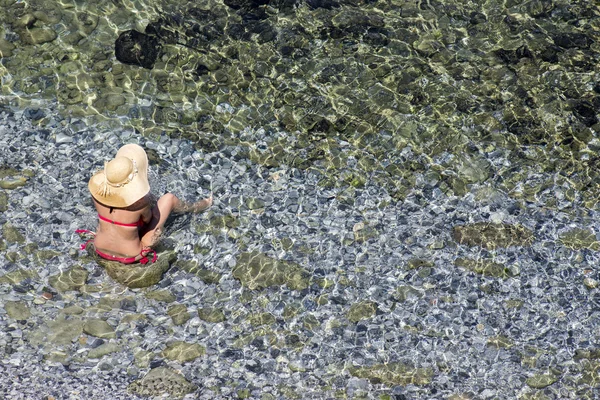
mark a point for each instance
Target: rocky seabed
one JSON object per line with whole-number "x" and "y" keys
{"x": 286, "y": 289}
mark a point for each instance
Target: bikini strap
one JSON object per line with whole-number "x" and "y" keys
{"x": 144, "y": 253}
{"x": 85, "y": 231}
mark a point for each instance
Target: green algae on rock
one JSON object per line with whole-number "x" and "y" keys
{"x": 62, "y": 331}
{"x": 11, "y": 234}
{"x": 161, "y": 295}
{"x": 484, "y": 267}
{"x": 500, "y": 342}
{"x": 492, "y": 235}
{"x": 393, "y": 374}
{"x": 71, "y": 279}
{"x": 415, "y": 263}
{"x": 211, "y": 314}
{"x": 362, "y": 310}
{"x": 258, "y": 271}
{"x": 207, "y": 276}
{"x": 540, "y": 381}
{"x": 363, "y": 232}
{"x": 162, "y": 381}
{"x": 138, "y": 275}
{"x": 183, "y": 352}
{"x": 18, "y": 276}
{"x": 406, "y": 292}
{"x": 178, "y": 314}
{"x": 13, "y": 183}
{"x": 580, "y": 238}
{"x": 99, "y": 328}
{"x": 3, "y": 202}
{"x": 104, "y": 349}
{"x": 17, "y": 310}
{"x": 260, "y": 319}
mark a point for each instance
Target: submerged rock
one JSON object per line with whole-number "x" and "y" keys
{"x": 137, "y": 275}
{"x": 99, "y": 328}
{"x": 394, "y": 374}
{"x": 104, "y": 349}
{"x": 362, "y": 310}
{"x": 484, "y": 267}
{"x": 71, "y": 279}
{"x": 182, "y": 351}
{"x": 179, "y": 314}
{"x": 492, "y": 235}
{"x": 17, "y": 310}
{"x": 11, "y": 234}
{"x": 258, "y": 271}
{"x": 207, "y": 276}
{"x": 541, "y": 381}
{"x": 162, "y": 381}
{"x": 17, "y": 276}
{"x": 210, "y": 314}
{"x": 580, "y": 238}
{"x": 136, "y": 48}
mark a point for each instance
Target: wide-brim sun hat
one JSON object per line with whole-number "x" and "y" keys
{"x": 124, "y": 179}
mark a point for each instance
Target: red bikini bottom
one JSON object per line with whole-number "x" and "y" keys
{"x": 125, "y": 260}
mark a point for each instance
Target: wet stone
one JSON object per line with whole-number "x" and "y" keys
{"x": 541, "y": 381}
{"x": 11, "y": 234}
{"x": 492, "y": 235}
{"x": 178, "y": 314}
{"x": 258, "y": 271}
{"x": 160, "y": 382}
{"x": 104, "y": 349}
{"x": 362, "y": 310}
{"x": 61, "y": 332}
{"x": 35, "y": 36}
{"x": 580, "y": 238}
{"x": 484, "y": 267}
{"x": 136, "y": 48}
{"x": 138, "y": 275}
{"x": 500, "y": 342}
{"x": 207, "y": 276}
{"x": 261, "y": 319}
{"x": 183, "y": 352}
{"x": 99, "y": 328}
{"x": 210, "y": 314}
{"x": 3, "y": 202}
{"x": 17, "y": 310}
{"x": 71, "y": 279}
{"x": 394, "y": 374}
{"x": 17, "y": 276}
{"x": 161, "y": 295}
{"x": 407, "y": 292}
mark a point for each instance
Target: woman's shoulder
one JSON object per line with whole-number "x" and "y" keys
{"x": 141, "y": 204}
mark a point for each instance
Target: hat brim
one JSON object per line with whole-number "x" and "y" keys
{"x": 126, "y": 195}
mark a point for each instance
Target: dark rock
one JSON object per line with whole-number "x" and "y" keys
{"x": 34, "y": 114}
{"x": 136, "y": 48}
{"x": 326, "y": 4}
{"x": 585, "y": 111}
{"x": 572, "y": 40}
{"x": 476, "y": 18}
{"x": 550, "y": 54}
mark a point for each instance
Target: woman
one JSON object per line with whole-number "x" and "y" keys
{"x": 129, "y": 224}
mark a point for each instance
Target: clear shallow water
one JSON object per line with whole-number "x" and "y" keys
{"x": 349, "y": 139}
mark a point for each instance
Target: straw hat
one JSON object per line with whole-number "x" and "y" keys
{"x": 124, "y": 179}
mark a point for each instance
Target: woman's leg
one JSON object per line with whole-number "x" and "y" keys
{"x": 167, "y": 204}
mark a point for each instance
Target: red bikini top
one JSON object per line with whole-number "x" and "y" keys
{"x": 138, "y": 224}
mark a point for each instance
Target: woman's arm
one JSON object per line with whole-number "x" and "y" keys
{"x": 147, "y": 214}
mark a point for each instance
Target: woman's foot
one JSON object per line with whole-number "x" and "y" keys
{"x": 202, "y": 204}
{"x": 196, "y": 207}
